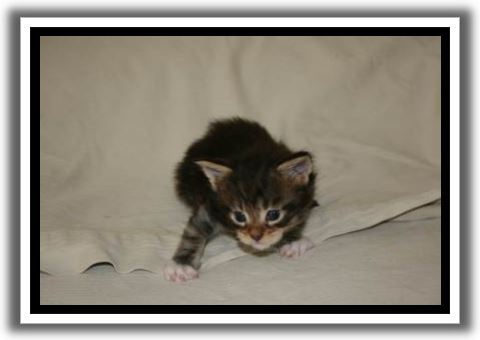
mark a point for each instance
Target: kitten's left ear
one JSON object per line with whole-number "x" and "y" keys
{"x": 214, "y": 172}
{"x": 297, "y": 169}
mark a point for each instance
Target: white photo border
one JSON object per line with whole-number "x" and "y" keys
{"x": 26, "y": 317}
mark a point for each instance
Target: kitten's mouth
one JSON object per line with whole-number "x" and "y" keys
{"x": 259, "y": 246}
{"x": 255, "y": 245}
{"x": 262, "y": 244}
{"x": 256, "y": 250}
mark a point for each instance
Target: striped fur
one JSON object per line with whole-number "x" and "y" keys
{"x": 238, "y": 166}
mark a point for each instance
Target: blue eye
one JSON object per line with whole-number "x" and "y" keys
{"x": 239, "y": 217}
{"x": 273, "y": 215}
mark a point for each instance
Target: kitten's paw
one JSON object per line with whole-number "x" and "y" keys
{"x": 296, "y": 248}
{"x": 179, "y": 273}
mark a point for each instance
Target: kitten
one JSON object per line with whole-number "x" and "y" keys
{"x": 238, "y": 180}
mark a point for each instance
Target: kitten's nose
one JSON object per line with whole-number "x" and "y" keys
{"x": 256, "y": 235}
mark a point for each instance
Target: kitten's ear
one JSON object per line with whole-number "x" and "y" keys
{"x": 215, "y": 172}
{"x": 297, "y": 169}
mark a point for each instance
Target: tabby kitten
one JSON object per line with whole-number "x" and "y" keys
{"x": 238, "y": 180}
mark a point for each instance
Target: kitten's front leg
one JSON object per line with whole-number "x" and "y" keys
{"x": 296, "y": 248}
{"x": 294, "y": 244}
{"x": 186, "y": 261}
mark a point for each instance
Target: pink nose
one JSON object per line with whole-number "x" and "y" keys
{"x": 256, "y": 235}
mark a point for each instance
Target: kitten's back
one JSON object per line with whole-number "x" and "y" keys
{"x": 234, "y": 142}
{"x": 231, "y": 140}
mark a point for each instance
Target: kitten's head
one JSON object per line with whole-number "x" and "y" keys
{"x": 262, "y": 201}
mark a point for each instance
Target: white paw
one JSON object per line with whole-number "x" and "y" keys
{"x": 296, "y": 248}
{"x": 179, "y": 273}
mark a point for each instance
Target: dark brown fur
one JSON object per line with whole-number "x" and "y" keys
{"x": 255, "y": 182}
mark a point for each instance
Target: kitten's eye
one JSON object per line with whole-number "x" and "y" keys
{"x": 273, "y": 215}
{"x": 239, "y": 217}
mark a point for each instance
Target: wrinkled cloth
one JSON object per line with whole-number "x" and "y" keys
{"x": 117, "y": 113}
{"x": 395, "y": 263}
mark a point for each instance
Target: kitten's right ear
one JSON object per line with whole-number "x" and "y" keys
{"x": 214, "y": 172}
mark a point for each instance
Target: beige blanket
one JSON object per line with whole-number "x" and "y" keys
{"x": 118, "y": 112}
{"x": 396, "y": 263}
